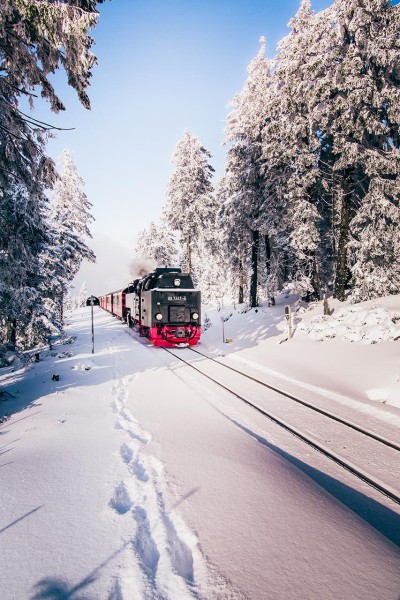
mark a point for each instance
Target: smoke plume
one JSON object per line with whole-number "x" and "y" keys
{"x": 139, "y": 267}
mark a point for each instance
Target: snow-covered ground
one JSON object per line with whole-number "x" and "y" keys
{"x": 129, "y": 477}
{"x": 355, "y": 355}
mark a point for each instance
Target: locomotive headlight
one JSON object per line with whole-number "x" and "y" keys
{"x": 195, "y": 316}
{"x": 177, "y": 282}
{"x": 159, "y": 317}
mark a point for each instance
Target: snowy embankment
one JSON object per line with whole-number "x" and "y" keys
{"x": 354, "y": 352}
{"x": 126, "y": 476}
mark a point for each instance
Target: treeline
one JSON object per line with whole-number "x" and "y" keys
{"x": 310, "y": 192}
{"x": 44, "y": 214}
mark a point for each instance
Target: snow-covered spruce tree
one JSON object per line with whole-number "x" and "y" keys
{"x": 243, "y": 186}
{"x": 355, "y": 107}
{"x": 291, "y": 150}
{"x": 83, "y": 295}
{"x": 22, "y": 237}
{"x": 36, "y": 38}
{"x": 142, "y": 246}
{"x": 70, "y": 301}
{"x": 374, "y": 247}
{"x": 234, "y": 246}
{"x": 69, "y": 217}
{"x": 191, "y": 206}
{"x": 157, "y": 243}
{"x": 208, "y": 267}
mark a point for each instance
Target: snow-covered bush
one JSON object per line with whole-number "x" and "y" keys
{"x": 353, "y": 324}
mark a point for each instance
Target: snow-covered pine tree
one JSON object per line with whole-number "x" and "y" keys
{"x": 83, "y": 295}
{"x": 191, "y": 206}
{"x": 157, "y": 243}
{"x": 35, "y": 39}
{"x": 290, "y": 147}
{"x": 142, "y": 246}
{"x": 374, "y": 247}
{"x": 355, "y": 110}
{"x": 22, "y": 237}
{"x": 69, "y": 217}
{"x": 234, "y": 246}
{"x": 208, "y": 267}
{"x": 243, "y": 185}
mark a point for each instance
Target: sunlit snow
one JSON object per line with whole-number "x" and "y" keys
{"x": 132, "y": 477}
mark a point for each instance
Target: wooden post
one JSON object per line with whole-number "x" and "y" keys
{"x": 288, "y": 315}
{"x": 91, "y": 303}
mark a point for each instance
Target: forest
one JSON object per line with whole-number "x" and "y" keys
{"x": 44, "y": 214}
{"x": 309, "y": 197}
{"x": 310, "y": 193}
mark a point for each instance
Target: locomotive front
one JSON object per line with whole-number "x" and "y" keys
{"x": 169, "y": 308}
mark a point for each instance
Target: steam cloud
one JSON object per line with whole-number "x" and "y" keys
{"x": 139, "y": 267}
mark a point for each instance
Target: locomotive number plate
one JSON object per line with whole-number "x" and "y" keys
{"x": 177, "y": 298}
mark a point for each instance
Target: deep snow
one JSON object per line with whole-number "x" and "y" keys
{"x": 131, "y": 477}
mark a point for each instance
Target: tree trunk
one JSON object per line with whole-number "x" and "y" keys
{"x": 285, "y": 267}
{"x": 341, "y": 264}
{"x": 61, "y": 310}
{"x": 271, "y": 298}
{"x": 12, "y": 332}
{"x": 315, "y": 280}
{"x": 254, "y": 268}
{"x": 241, "y": 286}
{"x": 267, "y": 254}
{"x": 188, "y": 255}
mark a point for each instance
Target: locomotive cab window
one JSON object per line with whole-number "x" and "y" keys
{"x": 175, "y": 280}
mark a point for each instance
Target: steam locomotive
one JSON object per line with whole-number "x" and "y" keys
{"x": 163, "y": 306}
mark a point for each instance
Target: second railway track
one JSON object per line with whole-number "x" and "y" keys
{"x": 363, "y": 452}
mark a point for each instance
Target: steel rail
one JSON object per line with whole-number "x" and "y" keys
{"x": 347, "y": 465}
{"x": 326, "y": 413}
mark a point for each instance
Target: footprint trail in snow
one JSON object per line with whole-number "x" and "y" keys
{"x": 165, "y": 555}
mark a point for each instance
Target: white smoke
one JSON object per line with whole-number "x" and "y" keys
{"x": 139, "y": 267}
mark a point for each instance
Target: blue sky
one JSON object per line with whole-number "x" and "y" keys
{"x": 163, "y": 67}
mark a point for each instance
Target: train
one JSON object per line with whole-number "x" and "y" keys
{"x": 162, "y": 306}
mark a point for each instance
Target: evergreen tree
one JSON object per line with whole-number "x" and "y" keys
{"x": 157, "y": 243}
{"x": 244, "y": 184}
{"x": 374, "y": 246}
{"x": 191, "y": 206}
{"x": 355, "y": 110}
{"x": 36, "y": 38}
{"x": 22, "y": 239}
{"x": 83, "y": 295}
{"x": 290, "y": 148}
{"x": 333, "y": 134}
{"x": 234, "y": 246}
{"x": 69, "y": 216}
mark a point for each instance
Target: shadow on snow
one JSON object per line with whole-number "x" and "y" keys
{"x": 52, "y": 588}
{"x": 380, "y": 517}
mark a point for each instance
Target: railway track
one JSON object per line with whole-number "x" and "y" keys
{"x": 370, "y": 448}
